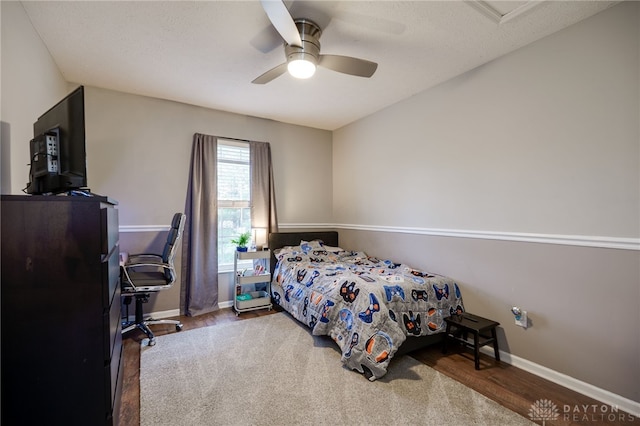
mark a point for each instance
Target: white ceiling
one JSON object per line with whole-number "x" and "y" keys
{"x": 206, "y": 53}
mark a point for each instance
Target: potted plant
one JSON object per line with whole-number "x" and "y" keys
{"x": 242, "y": 241}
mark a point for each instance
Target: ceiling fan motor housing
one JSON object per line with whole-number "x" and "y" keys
{"x": 310, "y": 35}
{"x": 302, "y": 48}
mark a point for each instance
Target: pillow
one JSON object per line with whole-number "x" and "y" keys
{"x": 308, "y": 246}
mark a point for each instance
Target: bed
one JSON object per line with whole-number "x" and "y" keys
{"x": 374, "y": 309}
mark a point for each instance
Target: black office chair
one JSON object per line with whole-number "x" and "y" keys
{"x": 143, "y": 274}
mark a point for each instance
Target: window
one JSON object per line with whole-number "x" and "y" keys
{"x": 234, "y": 197}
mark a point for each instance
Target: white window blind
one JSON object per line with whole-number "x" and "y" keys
{"x": 234, "y": 197}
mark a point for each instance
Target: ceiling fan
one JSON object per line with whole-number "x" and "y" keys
{"x": 302, "y": 48}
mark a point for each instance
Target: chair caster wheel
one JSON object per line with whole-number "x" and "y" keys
{"x": 152, "y": 342}
{"x": 178, "y": 327}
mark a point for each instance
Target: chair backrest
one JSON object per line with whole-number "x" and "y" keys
{"x": 178, "y": 220}
{"x": 171, "y": 246}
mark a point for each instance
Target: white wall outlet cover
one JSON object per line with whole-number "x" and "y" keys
{"x": 521, "y": 319}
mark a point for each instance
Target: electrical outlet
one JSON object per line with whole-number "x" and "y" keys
{"x": 521, "y": 319}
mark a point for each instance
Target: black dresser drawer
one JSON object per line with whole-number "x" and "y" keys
{"x": 109, "y": 232}
{"x": 113, "y": 379}
{"x": 112, "y": 328}
{"x": 111, "y": 277}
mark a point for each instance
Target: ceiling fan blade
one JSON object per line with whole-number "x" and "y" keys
{"x": 272, "y": 74}
{"x": 266, "y": 39}
{"x": 282, "y": 21}
{"x": 348, "y": 65}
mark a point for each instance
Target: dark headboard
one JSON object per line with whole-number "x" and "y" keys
{"x": 282, "y": 239}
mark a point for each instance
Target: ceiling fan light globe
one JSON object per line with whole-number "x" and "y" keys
{"x": 301, "y": 68}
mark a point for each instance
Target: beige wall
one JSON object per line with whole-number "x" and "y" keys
{"x": 139, "y": 151}
{"x": 543, "y": 142}
{"x": 31, "y": 84}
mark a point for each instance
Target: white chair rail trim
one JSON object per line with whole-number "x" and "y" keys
{"x": 570, "y": 240}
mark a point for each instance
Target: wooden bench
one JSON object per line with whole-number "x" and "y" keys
{"x": 483, "y": 331}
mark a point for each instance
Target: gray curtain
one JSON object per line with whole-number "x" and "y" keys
{"x": 263, "y": 198}
{"x": 199, "y": 290}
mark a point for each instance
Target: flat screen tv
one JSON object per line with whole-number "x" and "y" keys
{"x": 58, "y": 154}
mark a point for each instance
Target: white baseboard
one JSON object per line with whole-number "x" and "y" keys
{"x": 609, "y": 398}
{"x": 158, "y": 315}
{"x": 167, "y": 314}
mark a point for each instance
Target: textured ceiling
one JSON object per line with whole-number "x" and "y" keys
{"x": 207, "y": 53}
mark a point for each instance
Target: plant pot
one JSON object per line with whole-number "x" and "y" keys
{"x": 241, "y": 248}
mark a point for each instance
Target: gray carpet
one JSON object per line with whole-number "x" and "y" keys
{"x": 272, "y": 371}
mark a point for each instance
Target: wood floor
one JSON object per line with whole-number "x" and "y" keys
{"x": 511, "y": 387}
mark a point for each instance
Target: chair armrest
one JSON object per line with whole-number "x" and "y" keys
{"x": 152, "y": 264}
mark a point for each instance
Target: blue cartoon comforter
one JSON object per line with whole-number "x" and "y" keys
{"x": 366, "y": 305}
